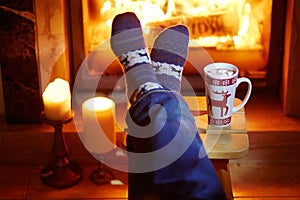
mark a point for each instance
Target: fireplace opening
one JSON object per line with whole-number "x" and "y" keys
{"x": 241, "y": 32}
{"x": 223, "y": 25}
{"x": 58, "y": 41}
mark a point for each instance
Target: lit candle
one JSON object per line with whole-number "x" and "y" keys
{"x": 57, "y": 100}
{"x": 98, "y": 134}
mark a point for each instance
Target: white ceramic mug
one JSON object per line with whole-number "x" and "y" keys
{"x": 221, "y": 81}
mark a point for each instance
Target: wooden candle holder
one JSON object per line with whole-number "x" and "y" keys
{"x": 61, "y": 172}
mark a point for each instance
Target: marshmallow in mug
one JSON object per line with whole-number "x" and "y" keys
{"x": 221, "y": 72}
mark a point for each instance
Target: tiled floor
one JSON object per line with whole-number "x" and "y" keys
{"x": 23, "y": 182}
{"x": 270, "y": 170}
{"x": 14, "y": 181}
{"x": 266, "y": 173}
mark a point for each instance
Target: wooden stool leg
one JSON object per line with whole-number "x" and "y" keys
{"x": 221, "y": 166}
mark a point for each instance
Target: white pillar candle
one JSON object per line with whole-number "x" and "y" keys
{"x": 98, "y": 116}
{"x": 57, "y": 100}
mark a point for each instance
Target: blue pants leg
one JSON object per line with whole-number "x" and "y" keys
{"x": 166, "y": 157}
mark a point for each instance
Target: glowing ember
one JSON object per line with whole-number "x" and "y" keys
{"x": 220, "y": 24}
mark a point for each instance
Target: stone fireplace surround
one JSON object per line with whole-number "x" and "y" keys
{"x": 25, "y": 74}
{"x": 33, "y": 53}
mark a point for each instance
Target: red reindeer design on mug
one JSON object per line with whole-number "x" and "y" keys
{"x": 221, "y": 80}
{"x": 219, "y": 103}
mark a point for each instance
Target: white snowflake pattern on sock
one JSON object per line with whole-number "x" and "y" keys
{"x": 168, "y": 69}
{"x": 132, "y": 58}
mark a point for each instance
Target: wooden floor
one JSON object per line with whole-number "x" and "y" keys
{"x": 270, "y": 171}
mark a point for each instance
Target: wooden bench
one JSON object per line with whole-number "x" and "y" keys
{"x": 221, "y": 144}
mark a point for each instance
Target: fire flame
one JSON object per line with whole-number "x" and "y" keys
{"x": 221, "y": 24}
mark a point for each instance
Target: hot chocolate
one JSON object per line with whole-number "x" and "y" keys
{"x": 221, "y": 81}
{"x": 221, "y": 72}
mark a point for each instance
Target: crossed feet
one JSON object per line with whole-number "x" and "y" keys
{"x": 143, "y": 71}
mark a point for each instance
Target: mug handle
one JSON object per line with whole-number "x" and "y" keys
{"x": 240, "y": 80}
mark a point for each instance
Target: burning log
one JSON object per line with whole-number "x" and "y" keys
{"x": 201, "y": 26}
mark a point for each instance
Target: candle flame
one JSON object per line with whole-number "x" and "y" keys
{"x": 57, "y": 90}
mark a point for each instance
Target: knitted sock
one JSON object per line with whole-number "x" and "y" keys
{"x": 127, "y": 43}
{"x": 168, "y": 56}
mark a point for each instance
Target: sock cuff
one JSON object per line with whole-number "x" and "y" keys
{"x": 143, "y": 89}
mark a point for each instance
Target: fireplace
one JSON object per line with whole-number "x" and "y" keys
{"x": 247, "y": 33}
{"x": 43, "y": 40}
